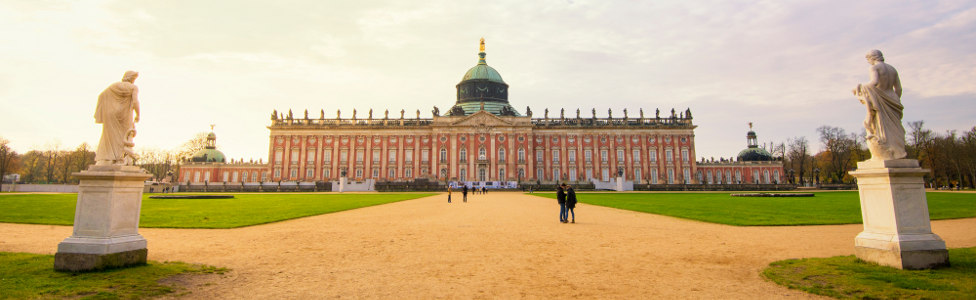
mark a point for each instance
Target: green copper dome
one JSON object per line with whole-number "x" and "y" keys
{"x": 755, "y": 154}
{"x": 483, "y": 71}
{"x": 208, "y": 155}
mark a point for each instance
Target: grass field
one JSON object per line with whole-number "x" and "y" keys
{"x": 243, "y": 210}
{"x": 848, "y": 277}
{"x": 32, "y": 276}
{"x": 824, "y": 208}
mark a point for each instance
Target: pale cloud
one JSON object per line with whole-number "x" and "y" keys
{"x": 788, "y": 66}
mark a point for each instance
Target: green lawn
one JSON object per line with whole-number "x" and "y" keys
{"x": 32, "y": 276}
{"x": 848, "y": 277}
{"x": 243, "y": 210}
{"x": 824, "y": 208}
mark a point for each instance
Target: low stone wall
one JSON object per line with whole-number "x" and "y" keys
{"x": 284, "y": 186}
{"x": 714, "y": 187}
{"x": 41, "y": 188}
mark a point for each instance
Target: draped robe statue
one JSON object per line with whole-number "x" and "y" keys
{"x": 882, "y": 98}
{"x": 115, "y": 108}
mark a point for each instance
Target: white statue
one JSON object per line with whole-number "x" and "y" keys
{"x": 882, "y": 97}
{"x": 114, "y": 111}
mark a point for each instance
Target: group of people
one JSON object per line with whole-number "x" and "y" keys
{"x": 464, "y": 192}
{"x": 566, "y": 196}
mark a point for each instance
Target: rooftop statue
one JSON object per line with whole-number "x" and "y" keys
{"x": 528, "y": 111}
{"x": 577, "y": 113}
{"x": 338, "y": 113}
{"x": 289, "y": 114}
{"x": 418, "y": 114}
{"x": 436, "y": 112}
{"x": 114, "y": 111}
{"x": 546, "y": 113}
{"x": 322, "y": 114}
{"x": 562, "y": 113}
{"x": 306, "y": 114}
{"x": 642, "y": 113}
{"x": 882, "y": 98}
{"x": 594, "y": 113}
{"x": 386, "y": 114}
{"x": 657, "y": 113}
{"x": 353, "y": 113}
{"x": 370, "y": 114}
{"x": 625, "y": 113}
{"x": 609, "y": 113}
{"x": 402, "y": 111}
{"x": 274, "y": 115}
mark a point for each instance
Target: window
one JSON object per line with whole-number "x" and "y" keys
{"x": 408, "y": 173}
{"x": 572, "y": 174}
{"x": 464, "y": 174}
{"x": 391, "y": 155}
{"x": 326, "y": 173}
{"x": 310, "y": 174}
{"x": 738, "y": 176}
{"x": 766, "y": 176}
{"x": 359, "y": 172}
{"x": 540, "y": 174}
{"x": 206, "y": 176}
{"x": 294, "y": 155}
{"x": 244, "y": 176}
{"x": 728, "y": 176}
{"x": 684, "y": 155}
{"x": 501, "y": 154}
{"x": 482, "y": 155}
{"x": 425, "y": 155}
{"x": 443, "y": 155}
{"x": 392, "y": 173}
{"x": 408, "y": 156}
{"x": 637, "y": 175}
{"x": 376, "y": 156}
{"x": 776, "y": 176}
{"x": 464, "y": 154}
{"x": 226, "y": 176}
{"x": 555, "y": 155}
{"x": 310, "y": 156}
{"x": 636, "y": 155}
{"x": 278, "y": 155}
{"x": 670, "y": 176}
{"x": 755, "y": 176}
{"x": 482, "y": 176}
{"x": 709, "y": 178}
{"x": 653, "y": 178}
{"x": 327, "y": 155}
{"x": 604, "y": 156}
{"x": 571, "y": 155}
{"x": 501, "y": 173}
{"x": 539, "y": 155}
{"x": 653, "y": 155}
{"x": 343, "y": 156}
{"x": 556, "y": 175}
{"x": 589, "y": 173}
{"x": 293, "y": 174}
{"x": 359, "y": 155}
{"x": 196, "y": 176}
{"x": 443, "y": 173}
{"x": 376, "y": 172}
{"x": 277, "y": 173}
{"x": 588, "y": 155}
{"x": 668, "y": 155}
{"x": 605, "y": 174}
{"x": 521, "y": 155}
{"x": 686, "y": 175}
{"x": 521, "y": 173}
{"x": 620, "y": 155}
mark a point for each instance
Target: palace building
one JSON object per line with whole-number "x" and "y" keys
{"x": 481, "y": 138}
{"x": 753, "y": 165}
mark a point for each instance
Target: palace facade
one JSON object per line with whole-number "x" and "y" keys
{"x": 480, "y": 138}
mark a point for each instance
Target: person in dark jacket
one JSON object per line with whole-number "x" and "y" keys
{"x": 448, "y": 193}
{"x": 561, "y": 199}
{"x": 464, "y": 193}
{"x": 571, "y": 201}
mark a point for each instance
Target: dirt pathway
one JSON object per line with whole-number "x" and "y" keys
{"x": 500, "y": 245}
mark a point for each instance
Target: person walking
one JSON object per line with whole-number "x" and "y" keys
{"x": 571, "y": 201}
{"x": 448, "y": 193}
{"x": 561, "y": 199}
{"x": 464, "y": 193}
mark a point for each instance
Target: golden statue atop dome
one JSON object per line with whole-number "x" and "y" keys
{"x": 482, "y": 45}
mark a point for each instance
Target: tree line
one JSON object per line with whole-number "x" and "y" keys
{"x": 950, "y": 157}
{"x": 54, "y": 165}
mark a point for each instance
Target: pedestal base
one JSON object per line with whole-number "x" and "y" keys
{"x": 897, "y": 230}
{"x": 83, "y": 262}
{"x": 908, "y": 252}
{"x": 106, "y": 227}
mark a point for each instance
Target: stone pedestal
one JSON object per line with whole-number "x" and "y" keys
{"x": 897, "y": 230}
{"x": 106, "y": 221}
{"x": 342, "y": 184}
{"x": 620, "y": 184}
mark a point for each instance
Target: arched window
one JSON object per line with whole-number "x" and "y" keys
{"x": 463, "y": 155}
{"x": 501, "y": 154}
{"x": 443, "y": 157}
{"x": 501, "y": 174}
{"x": 521, "y": 155}
{"x": 482, "y": 155}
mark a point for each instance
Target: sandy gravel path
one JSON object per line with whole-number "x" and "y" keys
{"x": 500, "y": 245}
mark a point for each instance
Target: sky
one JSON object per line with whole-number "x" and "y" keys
{"x": 787, "y": 66}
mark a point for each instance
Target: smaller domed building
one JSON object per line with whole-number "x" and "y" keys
{"x": 210, "y": 165}
{"x": 753, "y": 165}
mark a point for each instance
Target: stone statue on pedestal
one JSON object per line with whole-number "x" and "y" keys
{"x": 897, "y": 228}
{"x": 115, "y": 108}
{"x": 882, "y": 98}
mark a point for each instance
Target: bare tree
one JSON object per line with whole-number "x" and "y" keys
{"x": 197, "y": 143}
{"x": 839, "y": 152}
{"x": 8, "y": 158}
{"x": 798, "y": 155}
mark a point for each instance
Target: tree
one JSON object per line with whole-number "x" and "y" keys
{"x": 197, "y": 143}
{"x": 32, "y": 166}
{"x": 8, "y": 160}
{"x": 155, "y": 161}
{"x": 839, "y": 153}
{"x": 798, "y": 154}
